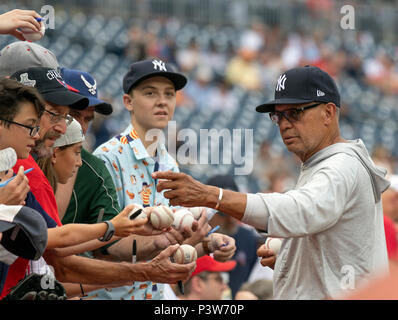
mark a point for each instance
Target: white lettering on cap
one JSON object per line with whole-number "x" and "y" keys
{"x": 160, "y": 64}
{"x": 53, "y": 74}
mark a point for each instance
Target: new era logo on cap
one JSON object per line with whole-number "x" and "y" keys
{"x": 303, "y": 85}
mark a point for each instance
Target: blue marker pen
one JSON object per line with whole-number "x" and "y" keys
{"x": 38, "y": 19}
{"x": 12, "y": 178}
{"x": 213, "y": 230}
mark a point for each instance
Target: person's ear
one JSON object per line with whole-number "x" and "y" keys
{"x": 330, "y": 113}
{"x": 128, "y": 102}
{"x": 54, "y": 157}
{"x": 197, "y": 284}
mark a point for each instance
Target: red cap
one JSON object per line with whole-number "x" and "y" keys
{"x": 207, "y": 263}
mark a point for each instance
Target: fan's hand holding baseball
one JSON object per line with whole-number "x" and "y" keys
{"x": 168, "y": 238}
{"x": 14, "y": 193}
{"x": 14, "y": 19}
{"x": 224, "y": 246}
{"x": 268, "y": 257}
{"x": 201, "y": 232}
{"x": 125, "y": 227}
{"x": 148, "y": 229}
{"x": 164, "y": 271}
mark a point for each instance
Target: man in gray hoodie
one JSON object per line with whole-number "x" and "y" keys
{"x": 331, "y": 223}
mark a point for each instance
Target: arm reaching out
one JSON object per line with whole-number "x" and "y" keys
{"x": 183, "y": 190}
{"x": 98, "y": 272}
{"x": 76, "y": 233}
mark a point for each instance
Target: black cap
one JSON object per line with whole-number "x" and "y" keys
{"x": 303, "y": 85}
{"x": 145, "y": 69}
{"x": 51, "y": 86}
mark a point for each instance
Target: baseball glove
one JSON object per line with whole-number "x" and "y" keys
{"x": 37, "y": 287}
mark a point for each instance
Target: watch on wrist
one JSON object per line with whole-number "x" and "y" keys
{"x": 108, "y": 233}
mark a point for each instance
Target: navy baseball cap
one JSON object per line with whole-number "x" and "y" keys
{"x": 303, "y": 85}
{"x": 145, "y": 69}
{"x": 51, "y": 86}
{"x": 85, "y": 84}
{"x": 24, "y": 231}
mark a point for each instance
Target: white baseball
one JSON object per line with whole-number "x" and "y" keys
{"x": 182, "y": 218}
{"x": 161, "y": 217}
{"x": 274, "y": 244}
{"x": 33, "y": 36}
{"x": 184, "y": 254}
{"x": 196, "y": 211}
{"x": 142, "y": 215}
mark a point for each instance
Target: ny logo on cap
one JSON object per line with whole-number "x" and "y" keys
{"x": 26, "y": 81}
{"x": 281, "y": 83}
{"x": 92, "y": 88}
{"x": 160, "y": 64}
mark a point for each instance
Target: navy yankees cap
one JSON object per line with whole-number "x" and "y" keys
{"x": 303, "y": 85}
{"x": 145, "y": 69}
{"x": 85, "y": 84}
{"x": 51, "y": 86}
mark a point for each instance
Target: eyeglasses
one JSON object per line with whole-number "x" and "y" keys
{"x": 55, "y": 117}
{"x": 291, "y": 115}
{"x": 32, "y": 130}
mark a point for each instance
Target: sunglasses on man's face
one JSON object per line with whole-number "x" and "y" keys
{"x": 291, "y": 115}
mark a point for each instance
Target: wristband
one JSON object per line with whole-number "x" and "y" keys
{"x": 108, "y": 233}
{"x": 220, "y": 194}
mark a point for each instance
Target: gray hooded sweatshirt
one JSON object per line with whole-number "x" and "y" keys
{"x": 331, "y": 224}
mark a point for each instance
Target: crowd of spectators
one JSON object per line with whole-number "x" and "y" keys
{"x": 253, "y": 62}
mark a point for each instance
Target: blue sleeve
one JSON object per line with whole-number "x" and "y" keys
{"x": 31, "y": 202}
{"x": 3, "y": 275}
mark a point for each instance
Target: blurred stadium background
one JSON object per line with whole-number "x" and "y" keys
{"x": 232, "y": 52}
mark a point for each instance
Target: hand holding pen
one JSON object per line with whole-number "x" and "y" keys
{"x": 14, "y": 189}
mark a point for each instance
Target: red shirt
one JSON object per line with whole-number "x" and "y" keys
{"x": 391, "y": 238}
{"x": 44, "y": 194}
{"x": 40, "y": 187}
